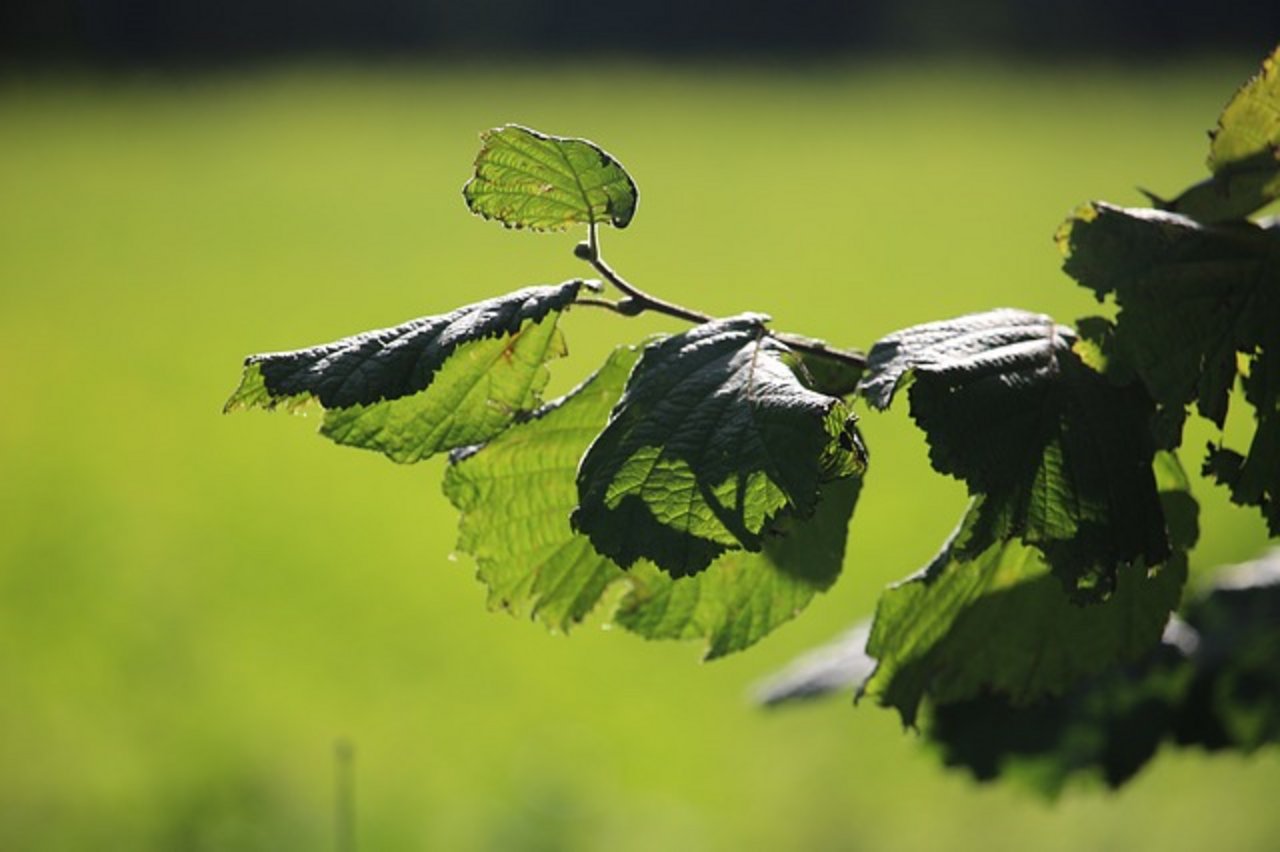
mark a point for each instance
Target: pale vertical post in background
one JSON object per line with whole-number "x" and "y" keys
{"x": 344, "y": 759}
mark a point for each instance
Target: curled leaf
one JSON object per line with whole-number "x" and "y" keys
{"x": 424, "y": 386}
{"x": 714, "y": 438}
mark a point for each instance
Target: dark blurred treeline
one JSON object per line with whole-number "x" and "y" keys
{"x": 164, "y": 32}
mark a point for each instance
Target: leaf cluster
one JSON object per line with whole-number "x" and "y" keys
{"x": 700, "y": 484}
{"x": 1196, "y": 287}
{"x": 1212, "y": 681}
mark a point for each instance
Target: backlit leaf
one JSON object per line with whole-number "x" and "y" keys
{"x": 527, "y": 179}
{"x": 428, "y": 385}
{"x": 516, "y": 493}
{"x": 1244, "y": 154}
{"x": 996, "y": 621}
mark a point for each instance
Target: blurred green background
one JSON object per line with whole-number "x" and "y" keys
{"x": 195, "y": 609}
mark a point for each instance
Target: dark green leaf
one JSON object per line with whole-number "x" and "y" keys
{"x": 1235, "y": 698}
{"x": 1060, "y": 455}
{"x": 1244, "y": 154}
{"x": 1254, "y": 479}
{"x": 712, "y": 441}
{"x": 1185, "y": 292}
{"x": 1005, "y": 347}
{"x": 527, "y": 179}
{"x": 428, "y": 385}
{"x": 1193, "y": 300}
{"x": 996, "y": 621}
{"x": 1108, "y": 726}
{"x": 516, "y": 493}
{"x": 1213, "y": 682}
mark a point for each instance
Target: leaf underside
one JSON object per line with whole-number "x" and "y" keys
{"x": 1059, "y": 455}
{"x": 425, "y": 386}
{"x": 1244, "y": 154}
{"x": 996, "y": 621}
{"x": 1198, "y": 307}
{"x": 527, "y": 179}
{"x": 840, "y": 664}
{"x": 515, "y": 495}
{"x": 714, "y": 439}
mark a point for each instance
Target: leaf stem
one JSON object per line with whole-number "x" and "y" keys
{"x": 641, "y": 300}
{"x": 638, "y": 301}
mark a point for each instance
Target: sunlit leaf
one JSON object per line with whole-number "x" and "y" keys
{"x": 527, "y": 179}
{"x": 1244, "y": 154}
{"x": 428, "y": 385}
{"x": 516, "y": 493}
{"x": 996, "y": 621}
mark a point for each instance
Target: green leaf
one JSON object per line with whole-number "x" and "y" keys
{"x": 1244, "y": 154}
{"x": 1213, "y": 682}
{"x": 516, "y": 493}
{"x": 844, "y": 662}
{"x": 1107, "y": 727}
{"x": 527, "y": 179}
{"x": 1193, "y": 301}
{"x": 1235, "y": 699}
{"x": 743, "y": 596}
{"x": 1254, "y": 479}
{"x": 428, "y": 385}
{"x": 1060, "y": 455}
{"x": 996, "y": 621}
{"x": 714, "y": 438}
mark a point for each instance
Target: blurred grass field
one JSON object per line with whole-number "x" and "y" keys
{"x": 194, "y": 608}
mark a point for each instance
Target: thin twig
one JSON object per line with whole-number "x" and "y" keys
{"x": 638, "y": 301}
{"x": 641, "y": 301}
{"x": 645, "y": 301}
